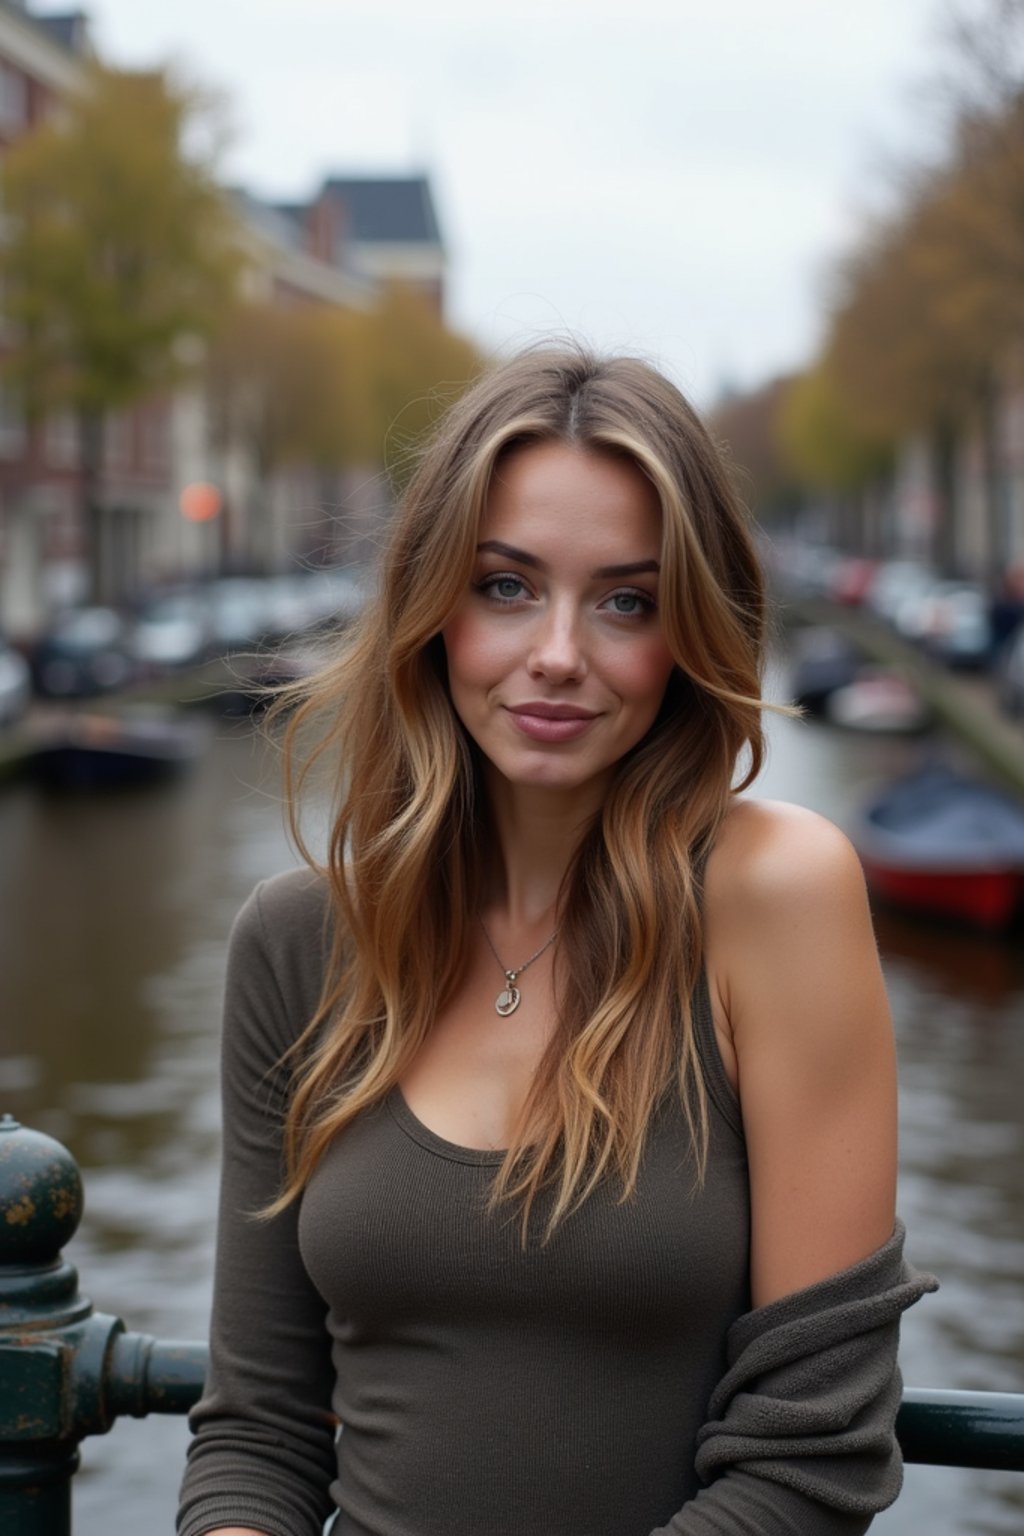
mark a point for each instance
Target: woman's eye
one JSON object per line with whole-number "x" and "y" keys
{"x": 506, "y": 589}
{"x": 631, "y": 604}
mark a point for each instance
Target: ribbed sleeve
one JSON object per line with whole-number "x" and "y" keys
{"x": 800, "y": 1437}
{"x": 263, "y": 1449}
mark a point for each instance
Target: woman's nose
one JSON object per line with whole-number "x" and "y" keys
{"x": 557, "y": 652}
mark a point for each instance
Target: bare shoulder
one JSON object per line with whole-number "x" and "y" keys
{"x": 786, "y": 918}
{"x": 775, "y": 861}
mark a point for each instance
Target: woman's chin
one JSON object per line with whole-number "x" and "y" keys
{"x": 534, "y": 773}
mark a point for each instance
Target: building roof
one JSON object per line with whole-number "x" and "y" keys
{"x": 282, "y": 223}
{"x": 385, "y": 209}
{"x": 68, "y": 29}
{"x": 278, "y": 231}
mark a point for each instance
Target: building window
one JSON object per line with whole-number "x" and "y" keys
{"x": 118, "y": 440}
{"x": 12, "y": 425}
{"x": 156, "y": 437}
{"x": 13, "y": 97}
{"x": 60, "y": 440}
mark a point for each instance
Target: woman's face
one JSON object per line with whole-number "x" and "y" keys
{"x": 557, "y": 663}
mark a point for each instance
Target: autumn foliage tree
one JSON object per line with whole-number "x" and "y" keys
{"x": 118, "y": 255}
{"x": 749, "y": 425}
{"x": 274, "y": 382}
{"x": 930, "y": 306}
{"x": 336, "y": 388}
{"x": 413, "y": 367}
{"x": 820, "y": 442}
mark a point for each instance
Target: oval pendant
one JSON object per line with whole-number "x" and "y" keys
{"x": 507, "y": 1002}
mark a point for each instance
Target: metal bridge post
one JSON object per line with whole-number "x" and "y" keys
{"x": 65, "y": 1370}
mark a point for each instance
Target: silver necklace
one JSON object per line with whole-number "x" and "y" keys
{"x": 509, "y": 998}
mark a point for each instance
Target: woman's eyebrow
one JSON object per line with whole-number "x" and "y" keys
{"x": 522, "y": 557}
{"x": 635, "y": 568}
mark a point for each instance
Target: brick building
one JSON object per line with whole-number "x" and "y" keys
{"x": 336, "y": 250}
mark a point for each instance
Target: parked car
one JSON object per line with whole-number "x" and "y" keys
{"x": 239, "y": 610}
{"x": 801, "y": 568}
{"x": 337, "y": 594}
{"x": 15, "y": 684}
{"x": 951, "y": 620}
{"x": 173, "y": 630}
{"x": 85, "y": 651}
{"x": 894, "y": 585}
{"x": 289, "y": 608}
{"x": 851, "y": 580}
{"x": 1010, "y": 673}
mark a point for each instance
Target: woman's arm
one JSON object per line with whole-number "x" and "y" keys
{"x": 796, "y": 982}
{"x": 262, "y": 1456}
{"x": 800, "y": 1433}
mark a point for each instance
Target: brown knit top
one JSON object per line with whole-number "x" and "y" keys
{"x": 483, "y": 1388}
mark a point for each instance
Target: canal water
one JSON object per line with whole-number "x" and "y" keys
{"x": 113, "y": 919}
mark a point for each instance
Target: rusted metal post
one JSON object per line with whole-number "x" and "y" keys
{"x": 65, "y": 1370}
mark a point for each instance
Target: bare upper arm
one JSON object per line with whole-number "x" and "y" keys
{"x": 797, "y": 987}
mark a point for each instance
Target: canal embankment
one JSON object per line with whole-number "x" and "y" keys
{"x": 965, "y": 704}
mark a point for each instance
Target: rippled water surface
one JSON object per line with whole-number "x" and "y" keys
{"x": 115, "y": 915}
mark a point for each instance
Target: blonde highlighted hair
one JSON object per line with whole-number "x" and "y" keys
{"x": 405, "y": 861}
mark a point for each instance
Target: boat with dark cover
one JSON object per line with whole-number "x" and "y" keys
{"x": 86, "y": 750}
{"x": 945, "y": 845}
{"x": 821, "y": 661}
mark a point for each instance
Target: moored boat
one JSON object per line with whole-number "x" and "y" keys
{"x": 822, "y": 660}
{"x": 80, "y": 750}
{"x": 882, "y": 703}
{"x": 944, "y": 845}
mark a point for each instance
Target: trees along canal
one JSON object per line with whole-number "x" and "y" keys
{"x": 334, "y": 388}
{"x": 118, "y": 250}
{"x": 920, "y": 336}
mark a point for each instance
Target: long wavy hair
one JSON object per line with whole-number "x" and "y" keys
{"x": 406, "y": 861}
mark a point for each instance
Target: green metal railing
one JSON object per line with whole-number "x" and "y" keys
{"x": 67, "y": 1372}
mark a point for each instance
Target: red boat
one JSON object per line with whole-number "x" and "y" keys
{"x": 946, "y": 846}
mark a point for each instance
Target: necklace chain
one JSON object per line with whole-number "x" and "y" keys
{"x": 508, "y": 1000}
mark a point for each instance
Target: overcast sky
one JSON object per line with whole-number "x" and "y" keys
{"x": 672, "y": 178}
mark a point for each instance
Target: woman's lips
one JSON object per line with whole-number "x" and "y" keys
{"x": 551, "y": 726}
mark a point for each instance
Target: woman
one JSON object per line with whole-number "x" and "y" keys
{"x": 560, "y": 1106}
